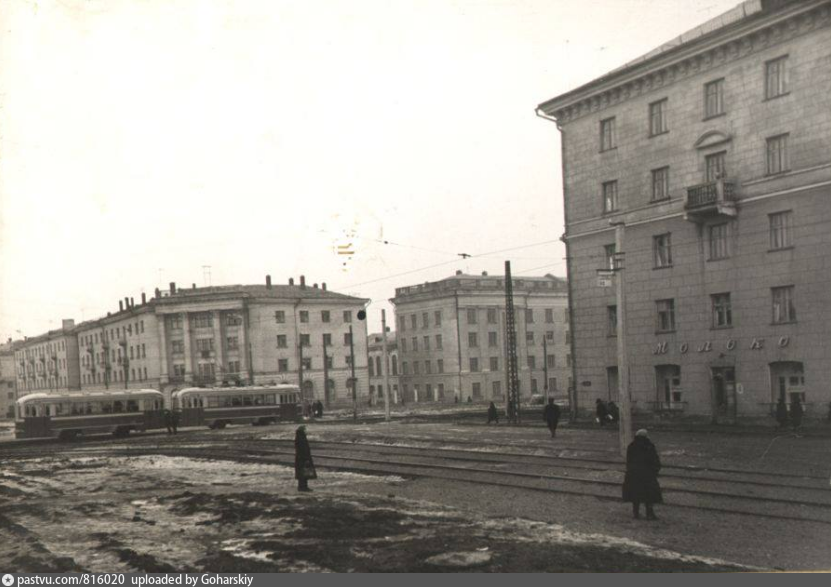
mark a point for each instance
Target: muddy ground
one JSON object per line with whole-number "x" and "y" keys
{"x": 85, "y": 507}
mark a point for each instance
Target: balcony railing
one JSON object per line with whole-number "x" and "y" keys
{"x": 711, "y": 193}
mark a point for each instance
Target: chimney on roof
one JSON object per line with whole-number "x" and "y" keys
{"x": 126, "y": 303}
{"x": 172, "y": 287}
{"x": 302, "y": 281}
{"x": 458, "y": 271}
{"x": 143, "y": 298}
{"x": 158, "y": 293}
{"x": 120, "y": 305}
{"x": 291, "y": 280}
{"x": 484, "y": 273}
{"x": 268, "y": 281}
{"x": 323, "y": 285}
{"x": 132, "y": 302}
{"x": 109, "y": 313}
{"x": 315, "y": 286}
{"x": 193, "y": 286}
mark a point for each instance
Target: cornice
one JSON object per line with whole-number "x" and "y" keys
{"x": 665, "y": 70}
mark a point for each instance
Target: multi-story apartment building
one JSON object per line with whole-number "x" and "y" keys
{"x": 213, "y": 336}
{"x": 714, "y": 152}
{"x": 48, "y": 362}
{"x": 375, "y": 364}
{"x": 451, "y": 338}
{"x": 8, "y": 380}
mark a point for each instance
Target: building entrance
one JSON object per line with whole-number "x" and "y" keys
{"x": 723, "y": 395}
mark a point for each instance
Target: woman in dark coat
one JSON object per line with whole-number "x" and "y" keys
{"x": 641, "y": 482}
{"x": 304, "y": 467}
{"x": 493, "y": 415}
{"x": 601, "y": 412}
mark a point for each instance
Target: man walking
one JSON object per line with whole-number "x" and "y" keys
{"x": 551, "y": 416}
{"x": 640, "y": 485}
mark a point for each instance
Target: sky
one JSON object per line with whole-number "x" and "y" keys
{"x": 363, "y": 144}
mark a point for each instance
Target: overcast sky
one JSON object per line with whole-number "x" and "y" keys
{"x": 141, "y": 140}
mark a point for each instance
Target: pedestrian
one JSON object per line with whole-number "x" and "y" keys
{"x": 493, "y": 415}
{"x": 640, "y": 485}
{"x": 796, "y": 412}
{"x": 168, "y": 421}
{"x": 601, "y": 411}
{"x": 782, "y": 413}
{"x": 319, "y": 409}
{"x": 551, "y": 416}
{"x": 174, "y": 420}
{"x": 614, "y": 412}
{"x": 469, "y": 399}
{"x": 304, "y": 467}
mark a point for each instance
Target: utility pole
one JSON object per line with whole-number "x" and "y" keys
{"x": 510, "y": 336}
{"x": 545, "y": 365}
{"x": 622, "y": 362}
{"x": 352, "y": 378}
{"x": 385, "y": 365}
{"x": 125, "y": 363}
{"x": 325, "y": 374}
{"x": 300, "y": 373}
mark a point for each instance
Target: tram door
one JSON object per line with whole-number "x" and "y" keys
{"x": 723, "y": 394}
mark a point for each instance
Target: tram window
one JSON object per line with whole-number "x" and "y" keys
{"x": 236, "y": 401}
{"x": 106, "y": 407}
{"x": 89, "y": 408}
{"x": 47, "y": 411}
{"x": 226, "y": 401}
{"x": 132, "y": 405}
{"x": 76, "y": 409}
{"x": 247, "y": 400}
{"x": 258, "y": 400}
{"x": 118, "y": 407}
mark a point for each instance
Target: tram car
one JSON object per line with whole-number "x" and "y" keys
{"x": 67, "y": 415}
{"x": 216, "y": 407}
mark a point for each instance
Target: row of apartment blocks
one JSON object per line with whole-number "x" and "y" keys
{"x": 713, "y": 152}
{"x": 451, "y": 348}
{"x": 208, "y": 336}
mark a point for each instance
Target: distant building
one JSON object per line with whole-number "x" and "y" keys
{"x": 375, "y": 365}
{"x": 225, "y": 335}
{"x": 451, "y": 338}
{"x": 48, "y": 362}
{"x": 714, "y": 151}
{"x": 8, "y": 380}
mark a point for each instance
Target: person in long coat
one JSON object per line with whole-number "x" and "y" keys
{"x": 304, "y": 467}
{"x": 640, "y": 485}
{"x": 614, "y": 412}
{"x": 551, "y": 416}
{"x": 493, "y": 414}
{"x": 796, "y": 413}
{"x": 601, "y": 412}
{"x": 782, "y": 413}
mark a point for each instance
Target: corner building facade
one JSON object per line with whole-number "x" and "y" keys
{"x": 714, "y": 151}
{"x": 451, "y": 338}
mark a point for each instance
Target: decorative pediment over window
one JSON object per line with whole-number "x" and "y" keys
{"x": 712, "y": 138}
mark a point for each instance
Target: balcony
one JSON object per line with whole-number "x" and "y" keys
{"x": 710, "y": 200}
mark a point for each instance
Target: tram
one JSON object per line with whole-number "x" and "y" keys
{"x": 67, "y": 415}
{"x": 216, "y": 407}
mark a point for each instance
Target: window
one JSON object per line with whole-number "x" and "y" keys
{"x": 307, "y": 363}
{"x": 428, "y": 368}
{"x": 549, "y": 335}
{"x": 714, "y": 98}
{"x": 282, "y": 365}
{"x": 474, "y": 364}
{"x": 325, "y": 316}
{"x": 330, "y": 361}
{"x": 347, "y": 316}
{"x": 492, "y": 315}
{"x": 611, "y": 322}
{"x": 394, "y": 365}
{"x": 230, "y": 320}
{"x": 348, "y": 360}
{"x": 780, "y": 230}
{"x": 233, "y": 366}
{"x": 719, "y": 241}
{"x": 403, "y": 326}
{"x": 777, "y": 154}
{"x": 327, "y": 339}
{"x": 722, "y": 313}
{"x": 607, "y": 134}
{"x": 532, "y": 362}
{"x": 347, "y": 339}
{"x": 439, "y": 365}
{"x": 178, "y": 347}
{"x": 493, "y": 339}
{"x": 414, "y": 321}
{"x": 438, "y": 342}
{"x": 143, "y": 353}
{"x": 610, "y": 196}
{"x": 494, "y": 363}
{"x": 426, "y": 343}
{"x": 776, "y": 82}
{"x": 178, "y": 370}
{"x": 477, "y": 390}
{"x": 280, "y": 317}
{"x": 529, "y": 316}
{"x": 551, "y": 361}
{"x": 232, "y": 342}
{"x": 660, "y": 184}
{"x": 425, "y": 320}
{"x": 658, "y": 117}
{"x": 666, "y": 315}
{"x": 783, "y": 304}
{"x": 437, "y": 317}
{"x": 204, "y": 344}
{"x": 305, "y": 340}
{"x": 304, "y": 316}
{"x": 471, "y": 316}
{"x": 534, "y": 387}
{"x": 714, "y": 166}
{"x": 609, "y": 252}
{"x": 403, "y": 345}
{"x": 472, "y": 340}
{"x": 662, "y": 250}
{"x": 415, "y": 344}
{"x": 416, "y": 368}
{"x": 529, "y": 338}
{"x": 173, "y": 322}
{"x": 202, "y": 320}
{"x": 549, "y": 315}
{"x": 497, "y": 388}
{"x": 282, "y": 341}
